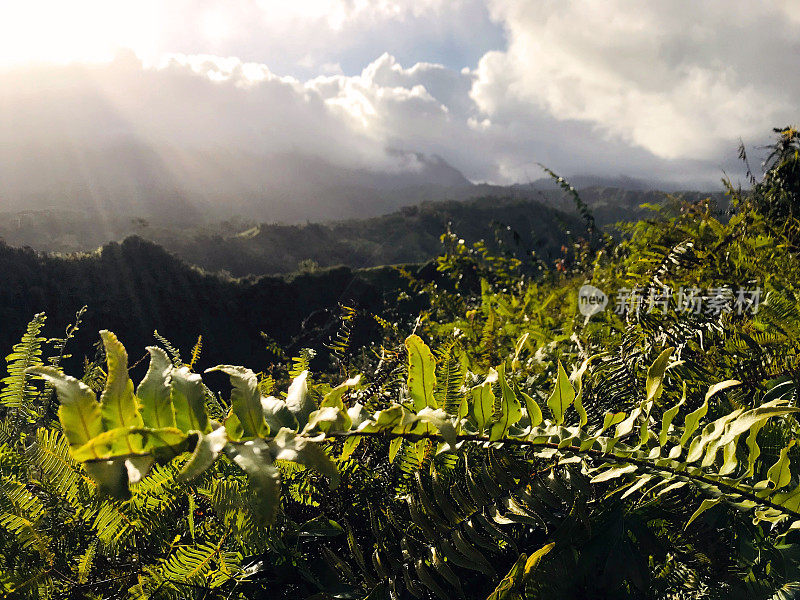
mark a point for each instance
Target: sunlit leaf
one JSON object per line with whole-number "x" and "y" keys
{"x": 421, "y": 373}
{"x": 562, "y": 397}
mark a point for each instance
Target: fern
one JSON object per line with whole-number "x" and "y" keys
{"x": 340, "y": 344}
{"x": 196, "y": 350}
{"x": 301, "y": 362}
{"x": 21, "y": 513}
{"x": 18, "y": 392}
{"x": 205, "y": 564}
{"x": 174, "y": 353}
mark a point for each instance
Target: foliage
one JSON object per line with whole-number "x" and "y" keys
{"x": 777, "y": 195}
{"x": 501, "y": 446}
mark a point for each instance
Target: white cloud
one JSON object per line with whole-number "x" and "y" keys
{"x": 676, "y": 78}
{"x": 644, "y": 88}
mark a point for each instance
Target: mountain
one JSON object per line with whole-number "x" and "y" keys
{"x": 243, "y": 247}
{"x": 409, "y": 235}
{"x": 539, "y": 220}
{"x": 129, "y": 179}
{"x": 582, "y": 182}
{"x": 137, "y": 286}
{"x": 178, "y": 187}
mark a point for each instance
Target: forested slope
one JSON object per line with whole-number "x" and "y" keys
{"x": 136, "y": 287}
{"x": 539, "y": 220}
{"x": 409, "y": 235}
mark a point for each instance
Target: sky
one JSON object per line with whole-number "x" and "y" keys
{"x": 652, "y": 89}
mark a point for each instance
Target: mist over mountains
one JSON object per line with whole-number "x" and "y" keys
{"x": 191, "y": 186}
{"x": 246, "y": 213}
{"x": 165, "y": 184}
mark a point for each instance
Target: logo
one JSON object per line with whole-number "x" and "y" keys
{"x": 591, "y": 300}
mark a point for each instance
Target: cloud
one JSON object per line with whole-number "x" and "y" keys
{"x": 679, "y": 79}
{"x": 194, "y": 102}
{"x": 300, "y": 38}
{"x": 647, "y": 89}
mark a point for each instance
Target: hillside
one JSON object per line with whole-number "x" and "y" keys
{"x": 409, "y": 235}
{"x": 129, "y": 178}
{"x": 244, "y": 246}
{"x": 136, "y": 287}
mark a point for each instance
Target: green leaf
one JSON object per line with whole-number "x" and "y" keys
{"x": 722, "y": 385}
{"x": 753, "y": 448}
{"x": 79, "y": 411}
{"x": 669, "y": 415}
{"x": 584, "y": 418}
{"x": 562, "y": 397}
{"x": 439, "y": 419}
{"x": 610, "y": 419}
{"x": 421, "y": 373}
{"x": 125, "y": 441}
{"x": 711, "y": 439}
{"x": 154, "y": 391}
{"x": 111, "y": 477}
{"x": 780, "y": 473}
{"x": 729, "y": 462}
{"x": 510, "y": 408}
{"x": 692, "y": 421}
{"x": 245, "y": 401}
{"x": 626, "y": 426}
{"x": 118, "y": 406}
{"x": 233, "y": 426}
{"x": 613, "y": 473}
{"x": 188, "y": 398}
{"x": 535, "y": 558}
{"x": 334, "y": 397}
{"x": 394, "y": 448}
{"x": 731, "y": 426}
{"x": 385, "y": 419}
{"x": 320, "y": 527}
{"x": 789, "y": 500}
{"x": 298, "y": 399}
{"x": 206, "y": 451}
{"x": 349, "y": 446}
{"x": 277, "y": 414}
{"x": 534, "y": 412}
{"x": 519, "y": 346}
{"x": 254, "y": 458}
{"x": 137, "y": 467}
{"x": 508, "y": 588}
{"x": 328, "y": 418}
{"x": 704, "y": 506}
{"x": 655, "y": 375}
{"x": 287, "y": 445}
{"x": 483, "y": 401}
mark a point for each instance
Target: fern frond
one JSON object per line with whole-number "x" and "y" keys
{"x": 85, "y": 562}
{"x": 450, "y": 374}
{"x": 57, "y": 470}
{"x": 301, "y": 362}
{"x": 205, "y": 564}
{"x": 21, "y": 512}
{"x": 196, "y": 350}
{"x": 18, "y": 391}
{"x": 340, "y": 344}
{"x": 174, "y": 353}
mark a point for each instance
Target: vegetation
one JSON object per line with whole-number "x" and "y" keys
{"x": 136, "y": 287}
{"x": 501, "y": 445}
{"x": 244, "y": 247}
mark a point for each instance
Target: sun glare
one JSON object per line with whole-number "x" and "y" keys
{"x": 56, "y": 31}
